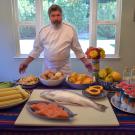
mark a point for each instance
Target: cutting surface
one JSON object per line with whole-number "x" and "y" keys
{"x": 86, "y": 116}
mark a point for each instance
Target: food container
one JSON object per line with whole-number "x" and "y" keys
{"x": 50, "y": 82}
{"x": 26, "y": 86}
{"x": 28, "y": 82}
{"x": 79, "y": 86}
{"x": 33, "y": 86}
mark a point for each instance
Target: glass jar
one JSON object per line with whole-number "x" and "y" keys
{"x": 132, "y": 79}
{"x": 126, "y": 75}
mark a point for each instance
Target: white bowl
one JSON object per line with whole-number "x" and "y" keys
{"x": 51, "y": 82}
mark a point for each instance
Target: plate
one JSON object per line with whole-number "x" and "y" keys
{"x": 32, "y": 111}
{"x": 117, "y": 105}
{"x": 102, "y": 95}
{"x": 15, "y": 104}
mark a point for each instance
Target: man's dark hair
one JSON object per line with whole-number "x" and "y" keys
{"x": 54, "y": 7}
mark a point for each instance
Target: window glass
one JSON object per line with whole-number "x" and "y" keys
{"x": 27, "y": 32}
{"x": 46, "y": 5}
{"x": 26, "y": 46}
{"x": 27, "y": 35}
{"x": 106, "y": 10}
{"x": 106, "y": 38}
{"x": 26, "y": 10}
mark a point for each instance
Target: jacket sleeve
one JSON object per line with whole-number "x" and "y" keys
{"x": 76, "y": 47}
{"x": 37, "y": 47}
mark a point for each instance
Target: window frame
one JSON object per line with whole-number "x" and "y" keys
{"x": 93, "y": 22}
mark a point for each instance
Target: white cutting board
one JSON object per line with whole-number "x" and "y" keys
{"x": 86, "y": 116}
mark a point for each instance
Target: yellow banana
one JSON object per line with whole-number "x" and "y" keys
{"x": 6, "y": 98}
{"x": 11, "y": 102}
{"x": 14, "y": 90}
{"x": 23, "y": 92}
{"x": 14, "y": 95}
{"x": 7, "y": 93}
{"x": 8, "y": 89}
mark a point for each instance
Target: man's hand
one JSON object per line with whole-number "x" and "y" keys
{"x": 87, "y": 64}
{"x": 22, "y": 67}
{"x": 25, "y": 64}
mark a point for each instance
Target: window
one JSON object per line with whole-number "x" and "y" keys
{"x": 97, "y": 22}
{"x": 105, "y": 25}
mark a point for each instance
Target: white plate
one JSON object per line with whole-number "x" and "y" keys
{"x": 117, "y": 105}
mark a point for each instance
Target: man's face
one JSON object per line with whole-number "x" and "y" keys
{"x": 56, "y": 18}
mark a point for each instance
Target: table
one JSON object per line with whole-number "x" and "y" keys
{"x": 8, "y": 117}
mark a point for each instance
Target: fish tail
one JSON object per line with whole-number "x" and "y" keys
{"x": 101, "y": 107}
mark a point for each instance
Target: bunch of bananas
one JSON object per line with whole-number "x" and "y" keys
{"x": 6, "y": 84}
{"x": 11, "y": 96}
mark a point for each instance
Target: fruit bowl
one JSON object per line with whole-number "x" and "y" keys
{"x": 31, "y": 86}
{"x": 78, "y": 86}
{"x": 51, "y": 82}
{"x": 107, "y": 85}
{"x": 51, "y": 78}
{"x": 28, "y": 82}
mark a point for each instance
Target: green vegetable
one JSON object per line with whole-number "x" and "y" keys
{"x": 6, "y": 84}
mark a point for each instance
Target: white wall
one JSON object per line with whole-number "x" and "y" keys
{"x": 9, "y": 64}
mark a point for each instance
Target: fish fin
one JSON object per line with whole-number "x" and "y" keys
{"x": 101, "y": 107}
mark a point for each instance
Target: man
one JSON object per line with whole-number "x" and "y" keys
{"x": 56, "y": 40}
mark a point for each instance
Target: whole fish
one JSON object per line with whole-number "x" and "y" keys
{"x": 68, "y": 97}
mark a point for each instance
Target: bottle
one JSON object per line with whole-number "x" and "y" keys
{"x": 96, "y": 68}
{"x": 126, "y": 75}
{"x": 132, "y": 79}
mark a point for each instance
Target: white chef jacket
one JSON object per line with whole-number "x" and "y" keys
{"x": 56, "y": 43}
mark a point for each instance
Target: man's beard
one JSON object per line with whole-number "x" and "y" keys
{"x": 56, "y": 23}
